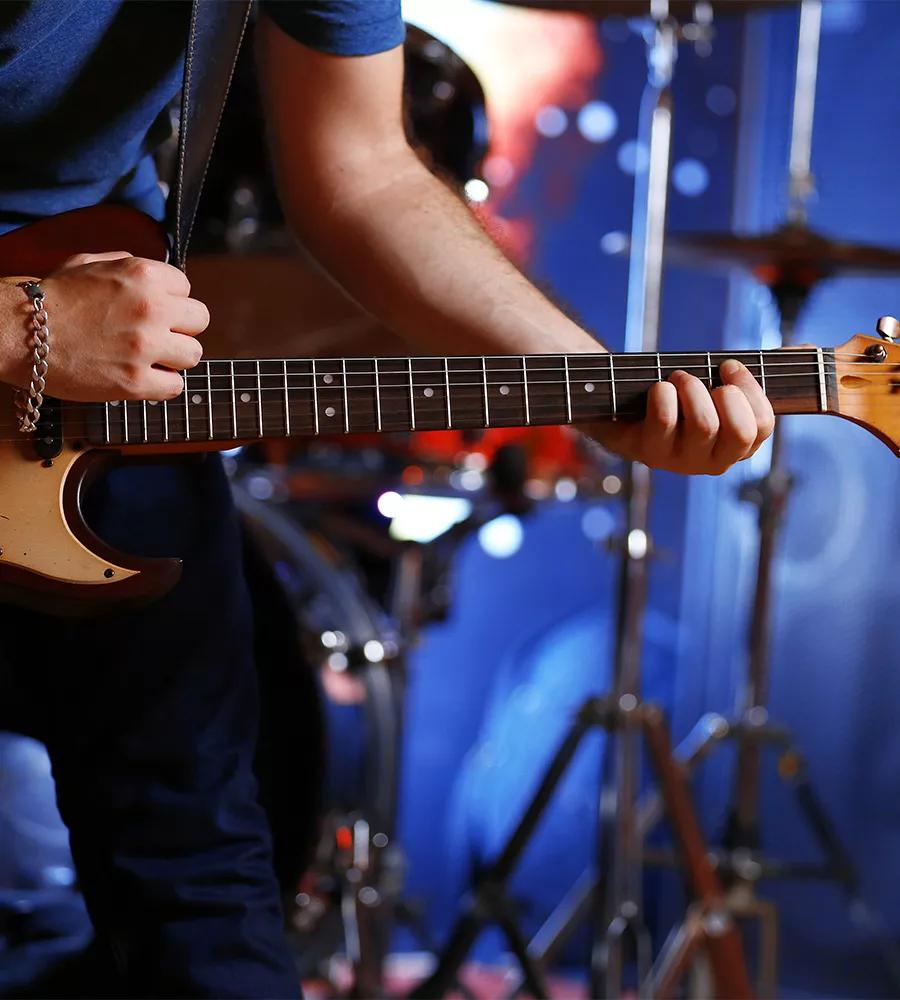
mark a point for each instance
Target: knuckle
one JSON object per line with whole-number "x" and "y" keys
{"x": 143, "y": 307}
{"x": 140, "y": 268}
{"x": 76, "y": 260}
{"x": 131, "y": 381}
{"x": 138, "y": 343}
{"x": 746, "y": 437}
{"x": 705, "y": 427}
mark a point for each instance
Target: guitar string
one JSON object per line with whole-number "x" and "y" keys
{"x": 602, "y": 366}
{"x": 769, "y": 356}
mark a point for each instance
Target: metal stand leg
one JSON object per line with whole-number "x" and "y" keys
{"x": 620, "y": 936}
{"x": 489, "y": 902}
{"x": 716, "y": 935}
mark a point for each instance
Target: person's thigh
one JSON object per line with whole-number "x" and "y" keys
{"x": 150, "y": 717}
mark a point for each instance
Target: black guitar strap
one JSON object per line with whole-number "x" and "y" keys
{"x": 214, "y": 39}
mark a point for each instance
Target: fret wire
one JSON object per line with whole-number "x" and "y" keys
{"x": 234, "y": 420}
{"x": 315, "y": 379}
{"x": 659, "y": 377}
{"x": 209, "y": 404}
{"x": 412, "y": 401}
{"x": 525, "y": 391}
{"x": 125, "y": 419}
{"x": 762, "y": 373}
{"x": 144, "y": 420}
{"x": 568, "y": 389}
{"x": 287, "y": 402}
{"x": 823, "y": 395}
{"x": 709, "y": 369}
{"x": 612, "y": 383}
{"x": 259, "y": 410}
{"x": 487, "y": 409}
{"x": 346, "y": 400}
{"x": 187, "y": 409}
{"x": 165, "y": 409}
{"x": 447, "y": 391}
{"x": 106, "y": 420}
{"x": 378, "y": 397}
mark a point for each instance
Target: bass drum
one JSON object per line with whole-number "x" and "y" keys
{"x": 330, "y": 688}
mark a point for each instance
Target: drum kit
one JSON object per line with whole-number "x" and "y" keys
{"x": 341, "y": 600}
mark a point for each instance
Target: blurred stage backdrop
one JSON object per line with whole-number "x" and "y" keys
{"x": 530, "y": 631}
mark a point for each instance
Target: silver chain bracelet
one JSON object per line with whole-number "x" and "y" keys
{"x": 29, "y": 402}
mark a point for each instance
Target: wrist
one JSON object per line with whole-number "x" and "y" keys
{"x": 15, "y": 333}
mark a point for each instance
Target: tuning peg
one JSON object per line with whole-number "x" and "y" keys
{"x": 888, "y": 327}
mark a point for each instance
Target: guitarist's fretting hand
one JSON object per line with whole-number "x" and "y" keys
{"x": 121, "y": 326}
{"x": 714, "y": 430}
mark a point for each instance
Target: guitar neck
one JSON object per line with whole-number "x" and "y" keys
{"x": 245, "y": 400}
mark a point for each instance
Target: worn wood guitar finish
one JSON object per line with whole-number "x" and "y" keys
{"x": 49, "y": 558}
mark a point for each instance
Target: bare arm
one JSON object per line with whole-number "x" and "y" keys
{"x": 411, "y": 254}
{"x": 392, "y": 235}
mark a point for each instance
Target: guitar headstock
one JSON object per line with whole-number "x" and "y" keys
{"x": 867, "y": 372}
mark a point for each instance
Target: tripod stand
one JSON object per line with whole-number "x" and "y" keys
{"x": 708, "y": 926}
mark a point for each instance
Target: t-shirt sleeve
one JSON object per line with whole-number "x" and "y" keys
{"x": 341, "y": 27}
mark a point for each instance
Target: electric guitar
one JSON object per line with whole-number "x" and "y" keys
{"x": 50, "y": 559}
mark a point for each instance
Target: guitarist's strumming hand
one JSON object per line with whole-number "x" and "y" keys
{"x": 122, "y": 328}
{"x": 689, "y": 429}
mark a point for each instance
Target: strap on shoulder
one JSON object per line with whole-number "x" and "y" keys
{"x": 214, "y": 40}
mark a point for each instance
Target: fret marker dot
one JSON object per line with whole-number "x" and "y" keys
{"x": 429, "y": 392}
{"x": 328, "y": 379}
{"x": 245, "y": 397}
{"x": 153, "y": 402}
{"x": 504, "y": 390}
{"x": 196, "y": 398}
{"x": 329, "y": 411}
{"x": 589, "y": 387}
{"x": 114, "y": 402}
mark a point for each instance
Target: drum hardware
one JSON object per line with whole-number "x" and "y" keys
{"x": 789, "y": 262}
{"x": 709, "y": 927}
{"x": 616, "y": 904}
{"x": 351, "y": 897}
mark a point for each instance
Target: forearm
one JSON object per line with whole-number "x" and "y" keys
{"x": 411, "y": 253}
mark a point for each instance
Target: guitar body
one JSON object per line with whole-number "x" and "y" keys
{"x": 50, "y": 559}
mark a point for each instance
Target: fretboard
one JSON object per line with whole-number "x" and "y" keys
{"x": 247, "y": 400}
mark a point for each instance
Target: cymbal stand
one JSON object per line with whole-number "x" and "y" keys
{"x": 614, "y": 894}
{"x": 742, "y": 863}
{"x": 619, "y": 930}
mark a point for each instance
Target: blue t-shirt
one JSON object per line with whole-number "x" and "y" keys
{"x": 84, "y": 85}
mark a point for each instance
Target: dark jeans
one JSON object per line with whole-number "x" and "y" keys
{"x": 150, "y": 718}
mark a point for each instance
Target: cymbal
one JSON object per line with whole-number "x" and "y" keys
{"x": 683, "y": 10}
{"x": 792, "y": 252}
